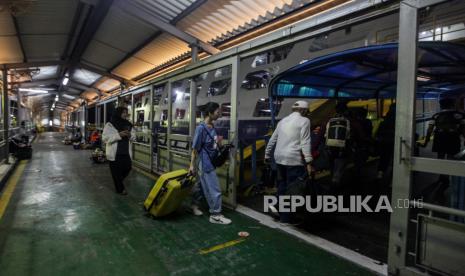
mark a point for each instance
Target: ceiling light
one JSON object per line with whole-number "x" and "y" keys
{"x": 422, "y": 78}
{"x": 65, "y": 81}
{"x": 68, "y": 96}
{"x": 33, "y": 90}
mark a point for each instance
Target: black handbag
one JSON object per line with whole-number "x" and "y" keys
{"x": 221, "y": 154}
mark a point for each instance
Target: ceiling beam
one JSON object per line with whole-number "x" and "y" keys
{"x": 20, "y": 40}
{"x": 173, "y": 22}
{"x": 81, "y": 86}
{"x": 79, "y": 18}
{"x": 147, "y": 17}
{"x": 107, "y": 74}
{"x": 38, "y": 83}
{"x": 91, "y": 26}
{"x": 34, "y": 64}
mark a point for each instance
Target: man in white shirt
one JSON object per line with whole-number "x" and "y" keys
{"x": 291, "y": 141}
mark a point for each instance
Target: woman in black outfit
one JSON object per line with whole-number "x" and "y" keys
{"x": 117, "y": 135}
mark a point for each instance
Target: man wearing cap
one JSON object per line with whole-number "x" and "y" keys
{"x": 291, "y": 141}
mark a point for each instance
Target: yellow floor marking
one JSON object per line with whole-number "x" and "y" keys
{"x": 221, "y": 246}
{"x": 10, "y": 186}
{"x": 149, "y": 175}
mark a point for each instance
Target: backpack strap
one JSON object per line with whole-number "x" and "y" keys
{"x": 203, "y": 143}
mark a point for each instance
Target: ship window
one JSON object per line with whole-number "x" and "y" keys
{"x": 262, "y": 108}
{"x": 219, "y": 87}
{"x": 256, "y": 80}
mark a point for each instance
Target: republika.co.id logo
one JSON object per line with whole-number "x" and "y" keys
{"x": 331, "y": 204}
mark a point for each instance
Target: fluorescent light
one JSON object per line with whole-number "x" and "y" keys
{"x": 65, "y": 81}
{"x": 68, "y": 96}
{"x": 33, "y": 90}
{"x": 421, "y": 78}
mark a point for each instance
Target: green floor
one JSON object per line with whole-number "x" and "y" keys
{"x": 65, "y": 219}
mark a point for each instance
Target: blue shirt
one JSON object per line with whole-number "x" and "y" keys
{"x": 205, "y": 145}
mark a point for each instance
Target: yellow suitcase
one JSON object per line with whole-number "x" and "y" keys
{"x": 168, "y": 193}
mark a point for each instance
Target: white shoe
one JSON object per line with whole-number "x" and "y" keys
{"x": 219, "y": 219}
{"x": 196, "y": 210}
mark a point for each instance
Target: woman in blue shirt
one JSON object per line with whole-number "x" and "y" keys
{"x": 204, "y": 146}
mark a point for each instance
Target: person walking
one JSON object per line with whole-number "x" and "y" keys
{"x": 118, "y": 135}
{"x": 292, "y": 150}
{"x": 204, "y": 147}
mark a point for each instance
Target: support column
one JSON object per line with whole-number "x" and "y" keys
{"x": 403, "y": 149}
{"x": 193, "y": 97}
{"x": 6, "y": 115}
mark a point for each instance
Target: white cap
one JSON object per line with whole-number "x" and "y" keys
{"x": 300, "y": 104}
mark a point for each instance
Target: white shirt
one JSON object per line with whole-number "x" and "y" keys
{"x": 110, "y": 137}
{"x": 292, "y": 139}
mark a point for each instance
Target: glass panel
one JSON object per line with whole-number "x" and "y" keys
{"x": 126, "y": 101}
{"x": 180, "y": 98}
{"x": 91, "y": 115}
{"x": 142, "y": 116}
{"x": 101, "y": 115}
{"x": 110, "y": 106}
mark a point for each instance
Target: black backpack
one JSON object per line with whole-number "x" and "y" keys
{"x": 221, "y": 154}
{"x": 448, "y": 121}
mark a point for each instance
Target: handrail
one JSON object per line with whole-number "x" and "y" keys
{"x": 437, "y": 208}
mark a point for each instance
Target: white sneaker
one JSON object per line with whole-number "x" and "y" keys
{"x": 219, "y": 219}
{"x": 196, "y": 210}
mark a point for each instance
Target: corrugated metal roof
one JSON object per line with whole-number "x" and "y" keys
{"x": 44, "y": 47}
{"x": 222, "y": 19}
{"x": 132, "y": 67}
{"x": 7, "y": 26}
{"x": 102, "y": 54}
{"x": 51, "y": 16}
{"x": 107, "y": 84}
{"x": 163, "y": 49}
{"x": 165, "y": 10}
{"x": 85, "y": 76}
{"x": 10, "y": 50}
{"x": 107, "y": 47}
{"x": 219, "y": 20}
{"x": 44, "y": 27}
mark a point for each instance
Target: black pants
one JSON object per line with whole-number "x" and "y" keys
{"x": 287, "y": 175}
{"x": 120, "y": 168}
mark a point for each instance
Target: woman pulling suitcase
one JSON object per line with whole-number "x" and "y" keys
{"x": 204, "y": 146}
{"x": 118, "y": 135}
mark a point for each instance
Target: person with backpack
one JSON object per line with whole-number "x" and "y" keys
{"x": 292, "y": 150}
{"x": 337, "y": 142}
{"x": 205, "y": 146}
{"x": 447, "y": 125}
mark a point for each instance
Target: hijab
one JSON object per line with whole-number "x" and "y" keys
{"x": 118, "y": 122}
